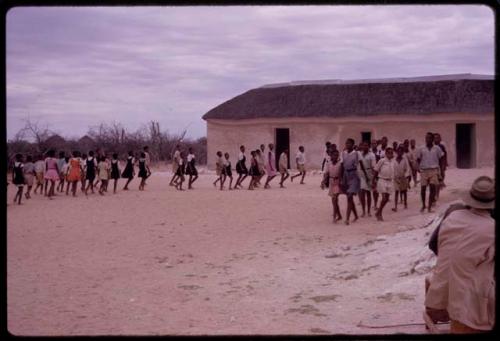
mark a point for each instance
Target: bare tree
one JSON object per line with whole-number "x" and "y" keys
{"x": 34, "y": 130}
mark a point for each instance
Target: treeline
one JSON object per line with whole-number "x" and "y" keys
{"x": 111, "y": 138}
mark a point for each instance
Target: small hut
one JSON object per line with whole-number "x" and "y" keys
{"x": 86, "y": 143}
{"x": 309, "y": 113}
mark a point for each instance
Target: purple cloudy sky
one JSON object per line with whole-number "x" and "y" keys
{"x": 72, "y": 68}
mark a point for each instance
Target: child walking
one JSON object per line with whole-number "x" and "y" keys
{"x": 143, "y": 171}
{"x": 219, "y": 167}
{"x": 128, "y": 172}
{"x": 104, "y": 170}
{"x": 64, "y": 171}
{"x": 385, "y": 181}
{"x": 332, "y": 179}
{"x": 227, "y": 170}
{"x": 241, "y": 168}
{"x": 283, "y": 167}
{"x": 270, "y": 165}
{"x": 18, "y": 178}
{"x": 259, "y": 157}
{"x": 300, "y": 160}
{"x": 40, "y": 173}
{"x": 254, "y": 170}
{"x": 29, "y": 175}
{"x": 75, "y": 171}
{"x": 91, "y": 172}
{"x": 83, "y": 162}
{"x": 350, "y": 177}
{"x": 181, "y": 169}
{"x": 401, "y": 168}
{"x": 365, "y": 173}
{"x": 191, "y": 168}
{"x": 60, "y": 164}
{"x": 115, "y": 171}
{"x": 51, "y": 172}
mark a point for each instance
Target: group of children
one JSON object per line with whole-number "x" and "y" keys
{"x": 260, "y": 165}
{"x": 373, "y": 169}
{"x": 90, "y": 170}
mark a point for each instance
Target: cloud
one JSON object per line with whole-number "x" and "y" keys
{"x": 75, "y": 67}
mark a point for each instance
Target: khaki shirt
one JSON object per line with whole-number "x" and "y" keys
{"x": 463, "y": 282}
{"x": 429, "y": 158}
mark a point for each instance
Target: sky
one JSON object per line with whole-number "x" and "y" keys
{"x": 70, "y": 68}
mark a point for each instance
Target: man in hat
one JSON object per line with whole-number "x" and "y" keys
{"x": 462, "y": 286}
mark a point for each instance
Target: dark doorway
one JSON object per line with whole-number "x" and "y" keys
{"x": 365, "y": 136}
{"x": 282, "y": 143}
{"x": 466, "y": 146}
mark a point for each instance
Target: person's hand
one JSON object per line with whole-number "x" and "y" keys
{"x": 437, "y": 315}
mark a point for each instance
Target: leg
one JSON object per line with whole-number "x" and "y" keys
{"x": 230, "y": 181}
{"x": 73, "y": 187}
{"x": 405, "y": 198}
{"x": 422, "y": 197}
{"x": 114, "y": 185}
{"x": 396, "y": 202}
{"x": 46, "y": 185}
{"x": 362, "y": 200}
{"x": 369, "y": 202}
{"x": 385, "y": 199}
{"x": 349, "y": 208}
{"x": 432, "y": 196}
{"x": 375, "y": 199}
{"x": 303, "y": 176}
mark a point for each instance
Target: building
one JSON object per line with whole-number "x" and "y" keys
{"x": 459, "y": 107}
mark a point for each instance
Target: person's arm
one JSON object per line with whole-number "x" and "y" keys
{"x": 323, "y": 164}
{"x": 364, "y": 171}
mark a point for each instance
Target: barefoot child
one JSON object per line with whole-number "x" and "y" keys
{"x": 331, "y": 179}
{"x": 283, "y": 167}
{"x": 300, "y": 161}
{"x": 430, "y": 160}
{"x": 227, "y": 170}
{"x": 260, "y": 163}
{"x": 219, "y": 166}
{"x": 254, "y": 170}
{"x": 367, "y": 161}
{"x": 143, "y": 171}
{"x": 413, "y": 160}
{"x": 442, "y": 170}
{"x": 241, "y": 168}
{"x": 180, "y": 172}
{"x": 40, "y": 173}
{"x": 401, "y": 168}
{"x": 60, "y": 164}
{"x": 350, "y": 177}
{"x": 51, "y": 172}
{"x": 115, "y": 171}
{"x": 83, "y": 162}
{"x": 175, "y": 164}
{"x": 104, "y": 170}
{"x": 18, "y": 178}
{"x": 128, "y": 173}
{"x": 91, "y": 170}
{"x": 29, "y": 175}
{"x": 384, "y": 170}
{"x": 270, "y": 165}
{"x": 75, "y": 171}
{"x": 64, "y": 171}
{"x": 326, "y": 157}
{"x": 191, "y": 168}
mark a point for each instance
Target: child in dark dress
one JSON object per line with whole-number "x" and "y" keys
{"x": 18, "y": 178}
{"x": 128, "y": 172}
{"x": 181, "y": 169}
{"x": 143, "y": 171}
{"x": 241, "y": 168}
{"x": 115, "y": 171}
{"x": 254, "y": 170}
{"x": 191, "y": 168}
{"x": 91, "y": 172}
{"x": 227, "y": 170}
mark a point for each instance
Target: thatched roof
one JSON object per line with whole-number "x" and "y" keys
{"x": 86, "y": 140}
{"x": 421, "y": 96}
{"x": 55, "y": 140}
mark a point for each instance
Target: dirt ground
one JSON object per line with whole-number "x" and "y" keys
{"x": 215, "y": 262}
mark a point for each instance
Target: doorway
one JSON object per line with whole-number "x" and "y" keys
{"x": 466, "y": 146}
{"x": 282, "y": 140}
{"x": 366, "y": 136}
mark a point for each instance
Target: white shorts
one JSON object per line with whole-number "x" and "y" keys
{"x": 385, "y": 186}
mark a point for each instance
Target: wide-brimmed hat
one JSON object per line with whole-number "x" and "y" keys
{"x": 482, "y": 193}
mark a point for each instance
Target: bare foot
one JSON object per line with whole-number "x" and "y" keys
{"x": 379, "y": 218}
{"x": 302, "y": 183}
{"x": 354, "y": 220}
{"x": 394, "y": 209}
{"x": 346, "y": 222}
{"x": 369, "y": 215}
{"x": 422, "y": 209}
{"x": 363, "y": 215}
{"x": 430, "y": 210}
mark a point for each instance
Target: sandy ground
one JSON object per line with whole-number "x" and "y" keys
{"x": 215, "y": 262}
